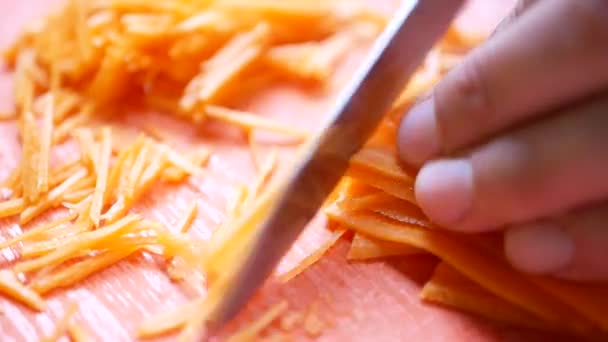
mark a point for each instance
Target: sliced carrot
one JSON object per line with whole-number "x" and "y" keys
{"x": 249, "y": 121}
{"x": 490, "y": 272}
{"x": 103, "y": 169}
{"x": 77, "y": 243}
{"x": 13, "y": 288}
{"x": 77, "y": 272}
{"x": 35, "y": 232}
{"x": 46, "y": 141}
{"x": 448, "y": 287}
{"x": 364, "y": 248}
{"x": 312, "y": 258}
{"x": 184, "y": 224}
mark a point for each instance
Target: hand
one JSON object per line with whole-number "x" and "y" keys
{"x": 516, "y": 138}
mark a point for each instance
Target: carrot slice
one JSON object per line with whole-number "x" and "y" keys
{"x": 483, "y": 268}
{"x": 12, "y": 287}
{"x": 249, "y": 121}
{"x": 448, "y": 287}
{"x": 103, "y": 169}
{"x": 312, "y": 258}
{"x": 364, "y": 248}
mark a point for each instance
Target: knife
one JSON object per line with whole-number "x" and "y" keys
{"x": 400, "y": 49}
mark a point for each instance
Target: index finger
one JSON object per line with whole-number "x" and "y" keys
{"x": 554, "y": 54}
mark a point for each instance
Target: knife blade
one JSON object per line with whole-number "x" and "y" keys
{"x": 400, "y": 49}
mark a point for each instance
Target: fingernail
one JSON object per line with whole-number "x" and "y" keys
{"x": 418, "y": 137}
{"x": 538, "y": 248}
{"x": 444, "y": 190}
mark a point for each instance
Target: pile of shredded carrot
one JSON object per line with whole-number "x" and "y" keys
{"x": 197, "y": 60}
{"x": 91, "y": 61}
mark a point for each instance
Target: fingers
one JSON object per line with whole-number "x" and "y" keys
{"x": 555, "y": 53}
{"x": 520, "y": 7}
{"x": 551, "y": 166}
{"x": 572, "y": 247}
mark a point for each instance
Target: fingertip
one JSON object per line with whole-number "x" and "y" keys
{"x": 418, "y": 138}
{"x": 444, "y": 190}
{"x": 538, "y": 248}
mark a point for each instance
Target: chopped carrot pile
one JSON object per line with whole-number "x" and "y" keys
{"x": 91, "y": 61}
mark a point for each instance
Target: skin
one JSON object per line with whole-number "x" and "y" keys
{"x": 516, "y": 139}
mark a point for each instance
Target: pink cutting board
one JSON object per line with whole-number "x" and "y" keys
{"x": 374, "y": 301}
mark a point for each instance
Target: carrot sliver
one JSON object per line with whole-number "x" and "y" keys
{"x": 77, "y": 272}
{"x": 490, "y": 272}
{"x": 14, "y": 289}
{"x": 365, "y": 248}
{"x": 450, "y": 288}
{"x": 185, "y": 223}
{"x": 77, "y": 243}
{"x": 312, "y": 258}
{"x": 103, "y": 169}
{"x": 35, "y": 232}
{"x": 46, "y": 141}
{"x": 12, "y": 207}
{"x": 249, "y": 121}
{"x": 251, "y": 332}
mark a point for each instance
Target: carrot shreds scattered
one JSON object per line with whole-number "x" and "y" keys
{"x": 77, "y": 243}
{"x": 312, "y": 258}
{"x": 105, "y": 152}
{"x": 252, "y": 331}
{"x": 77, "y": 272}
{"x": 250, "y": 121}
{"x": 52, "y": 198}
{"x": 225, "y": 65}
{"x": 13, "y": 288}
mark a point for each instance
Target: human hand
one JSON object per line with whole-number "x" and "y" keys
{"x": 516, "y": 138}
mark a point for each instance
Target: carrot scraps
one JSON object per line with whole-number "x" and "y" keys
{"x": 365, "y": 248}
{"x": 312, "y": 258}
{"x": 13, "y": 288}
{"x": 78, "y": 333}
{"x": 103, "y": 168}
{"x": 450, "y": 288}
{"x": 252, "y": 331}
{"x": 250, "y": 121}
{"x": 186, "y": 222}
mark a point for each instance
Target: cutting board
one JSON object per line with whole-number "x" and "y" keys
{"x": 371, "y": 301}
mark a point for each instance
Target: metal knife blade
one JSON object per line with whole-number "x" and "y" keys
{"x": 402, "y": 47}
